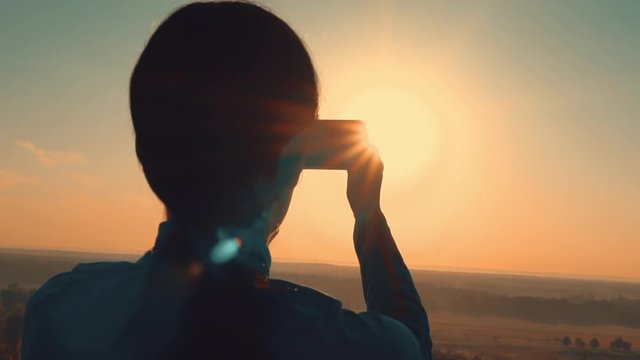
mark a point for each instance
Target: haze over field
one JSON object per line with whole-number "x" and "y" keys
{"x": 510, "y": 130}
{"x": 535, "y": 299}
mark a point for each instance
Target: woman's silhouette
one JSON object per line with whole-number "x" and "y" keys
{"x": 221, "y": 100}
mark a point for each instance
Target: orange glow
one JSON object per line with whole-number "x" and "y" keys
{"x": 496, "y": 157}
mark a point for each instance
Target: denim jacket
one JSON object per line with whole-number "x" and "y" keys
{"x": 80, "y": 314}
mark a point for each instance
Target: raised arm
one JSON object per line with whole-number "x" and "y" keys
{"x": 386, "y": 281}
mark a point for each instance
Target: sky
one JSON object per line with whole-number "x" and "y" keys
{"x": 510, "y": 130}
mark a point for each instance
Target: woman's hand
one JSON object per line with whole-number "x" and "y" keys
{"x": 364, "y": 182}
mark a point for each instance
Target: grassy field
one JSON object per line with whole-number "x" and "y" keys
{"x": 499, "y": 338}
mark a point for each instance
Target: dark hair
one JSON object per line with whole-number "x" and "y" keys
{"x": 217, "y": 92}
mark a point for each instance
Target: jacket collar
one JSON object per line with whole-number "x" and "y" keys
{"x": 215, "y": 249}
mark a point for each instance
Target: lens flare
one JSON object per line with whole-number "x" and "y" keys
{"x": 225, "y": 250}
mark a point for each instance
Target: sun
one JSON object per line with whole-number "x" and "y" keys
{"x": 401, "y": 125}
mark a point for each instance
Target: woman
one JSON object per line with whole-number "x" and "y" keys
{"x": 222, "y": 99}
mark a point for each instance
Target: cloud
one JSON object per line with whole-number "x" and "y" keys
{"x": 10, "y": 178}
{"x": 51, "y": 158}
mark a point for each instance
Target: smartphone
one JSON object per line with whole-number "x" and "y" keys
{"x": 333, "y": 144}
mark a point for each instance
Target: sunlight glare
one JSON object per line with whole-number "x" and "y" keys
{"x": 401, "y": 125}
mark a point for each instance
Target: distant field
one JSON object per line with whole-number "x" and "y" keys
{"x": 32, "y": 268}
{"x": 498, "y": 338}
{"x": 499, "y": 284}
{"x": 491, "y": 316}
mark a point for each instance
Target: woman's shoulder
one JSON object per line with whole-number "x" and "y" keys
{"x": 63, "y": 313}
{"x": 304, "y": 296}
{"x": 319, "y": 321}
{"x": 87, "y": 278}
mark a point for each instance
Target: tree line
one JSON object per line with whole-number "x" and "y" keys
{"x": 620, "y": 311}
{"x": 617, "y": 345}
{"x": 13, "y": 299}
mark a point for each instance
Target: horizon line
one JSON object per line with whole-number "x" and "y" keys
{"x": 450, "y": 269}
